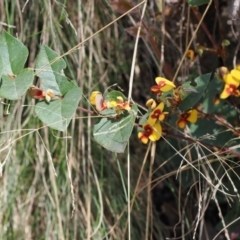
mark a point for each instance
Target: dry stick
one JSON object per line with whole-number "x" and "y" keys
{"x": 96, "y": 229}
{"x": 184, "y": 55}
{"x": 222, "y": 219}
{"x": 234, "y": 12}
{"x": 89, "y": 149}
{"x": 163, "y": 39}
{"x": 186, "y": 160}
{"x": 236, "y": 51}
{"x": 135, "y": 53}
{"x": 157, "y": 180}
{"x": 149, "y": 202}
{"x": 7, "y": 25}
{"x": 82, "y": 143}
{"x": 138, "y": 181}
{"x": 198, "y": 16}
{"x": 216, "y": 4}
{"x": 235, "y": 220}
{"x": 181, "y": 31}
{"x": 55, "y": 193}
{"x": 129, "y": 99}
{"x": 84, "y": 41}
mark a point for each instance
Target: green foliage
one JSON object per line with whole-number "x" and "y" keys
{"x": 113, "y": 96}
{"x": 14, "y": 87}
{"x": 14, "y": 79}
{"x": 194, "y": 91}
{"x": 195, "y": 3}
{"x": 193, "y": 163}
{"x": 113, "y": 133}
{"x": 58, "y": 113}
{"x": 14, "y": 54}
{"x": 1, "y": 66}
{"x": 212, "y": 92}
{"x": 52, "y": 73}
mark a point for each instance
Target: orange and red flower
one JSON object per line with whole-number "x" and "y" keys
{"x": 96, "y": 99}
{"x": 149, "y": 132}
{"x": 157, "y": 114}
{"x": 163, "y": 85}
{"x": 119, "y": 105}
{"x": 190, "y": 116}
{"x": 232, "y": 82}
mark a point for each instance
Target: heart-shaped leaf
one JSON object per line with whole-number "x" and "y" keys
{"x": 51, "y": 74}
{"x": 13, "y": 87}
{"x": 14, "y": 54}
{"x": 192, "y": 97}
{"x": 114, "y": 133}
{"x": 57, "y": 114}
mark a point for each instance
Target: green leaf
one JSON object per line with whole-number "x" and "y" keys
{"x": 195, "y": 3}
{"x": 192, "y": 98}
{"x": 213, "y": 91}
{"x": 208, "y": 131}
{"x": 14, "y": 54}
{"x": 13, "y": 87}
{"x": 57, "y": 114}
{"x": 52, "y": 75}
{"x": 112, "y": 96}
{"x": 1, "y": 66}
{"x": 114, "y": 133}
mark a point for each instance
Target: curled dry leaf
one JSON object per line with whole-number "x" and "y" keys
{"x": 35, "y": 92}
{"x": 133, "y": 31}
{"x": 121, "y": 6}
{"x": 38, "y": 93}
{"x": 144, "y": 33}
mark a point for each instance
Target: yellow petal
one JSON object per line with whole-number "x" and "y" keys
{"x": 238, "y": 67}
{"x": 162, "y": 116}
{"x": 120, "y": 98}
{"x": 225, "y": 94}
{"x": 166, "y": 88}
{"x": 161, "y": 79}
{"x": 160, "y": 106}
{"x": 112, "y": 104}
{"x": 92, "y": 97}
{"x": 151, "y": 120}
{"x": 157, "y": 132}
{"x": 151, "y": 103}
{"x": 142, "y": 137}
{"x": 192, "y": 116}
{"x": 236, "y": 74}
{"x": 181, "y": 123}
{"x": 190, "y": 54}
{"x": 164, "y": 84}
{"x": 229, "y": 79}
